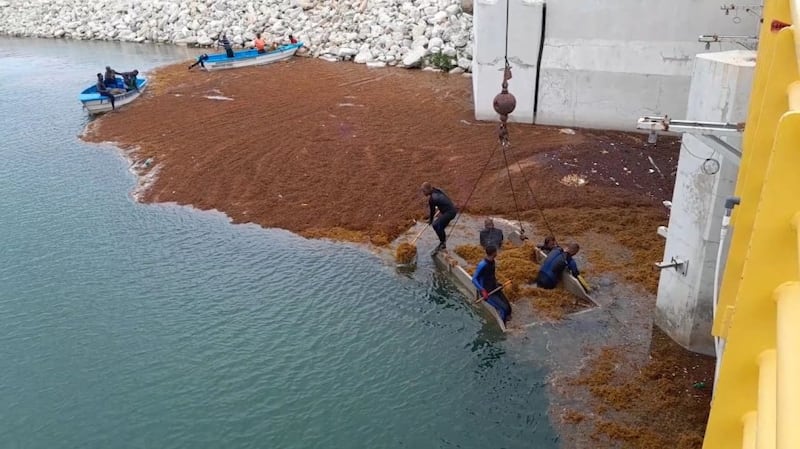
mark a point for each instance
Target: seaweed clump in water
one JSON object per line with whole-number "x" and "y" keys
{"x": 405, "y": 253}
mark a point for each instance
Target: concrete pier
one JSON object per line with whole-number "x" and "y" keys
{"x": 706, "y": 177}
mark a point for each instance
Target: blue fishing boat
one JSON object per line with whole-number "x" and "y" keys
{"x": 247, "y": 58}
{"x": 98, "y": 104}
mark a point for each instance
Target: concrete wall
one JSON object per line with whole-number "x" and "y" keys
{"x": 720, "y": 90}
{"x": 605, "y": 63}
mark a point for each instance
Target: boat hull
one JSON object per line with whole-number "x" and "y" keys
{"x": 95, "y": 104}
{"x": 249, "y": 58}
{"x": 463, "y": 281}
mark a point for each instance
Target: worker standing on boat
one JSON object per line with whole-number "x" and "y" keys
{"x": 259, "y": 43}
{"x": 111, "y": 77}
{"x": 553, "y": 266}
{"x": 491, "y": 236}
{"x": 226, "y": 44}
{"x": 103, "y": 90}
{"x": 437, "y": 199}
{"x": 485, "y": 281}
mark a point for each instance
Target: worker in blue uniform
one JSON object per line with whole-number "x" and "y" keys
{"x": 437, "y": 199}
{"x": 485, "y": 281}
{"x": 553, "y": 266}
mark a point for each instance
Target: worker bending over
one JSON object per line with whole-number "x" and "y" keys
{"x": 553, "y": 266}
{"x": 548, "y": 245}
{"x": 485, "y": 281}
{"x": 437, "y": 199}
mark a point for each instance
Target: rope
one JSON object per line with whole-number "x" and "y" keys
{"x": 464, "y": 206}
{"x": 511, "y": 181}
{"x": 533, "y": 196}
{"x": 508, "y": 3}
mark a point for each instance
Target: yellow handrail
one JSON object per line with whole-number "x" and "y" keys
{"x": 756, "y": 403}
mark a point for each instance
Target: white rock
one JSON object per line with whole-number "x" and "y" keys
{"x": 305, "y": 4}
{"x": 414, "y": 57}
{"x": 393, "y": 32}
{"x": 435, "y": 44}
{"x": 376, "y": 64}
{"x": 456, "y": 71}
{"x": 347, "y": 52}
{"x": 363, "y": 57}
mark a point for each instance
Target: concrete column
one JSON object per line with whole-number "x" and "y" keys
{"x": 524, "y": 31}
{"x": 605, "y": 63}
{"x": 719, "y": 92}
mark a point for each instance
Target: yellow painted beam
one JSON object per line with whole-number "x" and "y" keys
{"x": 795, "y": 10}
{"x": 767, "y": 400}
{"x": 749, "y": 430}
{"x": 767, "y": 102}
{"x": 794, "y": 91}
{"x": 788, "y": 365}
{"x": 771, "y": 260}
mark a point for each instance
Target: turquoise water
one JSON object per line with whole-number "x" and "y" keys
{"x": 154, "y": 326}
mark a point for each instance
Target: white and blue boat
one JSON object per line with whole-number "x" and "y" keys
{"x": 247, "y": 58}
{"x": 98, "y": 104}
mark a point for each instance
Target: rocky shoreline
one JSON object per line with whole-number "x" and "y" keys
{"x": 419, "y": 33}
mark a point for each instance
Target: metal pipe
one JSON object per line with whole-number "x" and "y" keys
{"x": 539, "y": 61}
{"x": 767, "y": 392}
{"x": 749, "y": 430}
{"x": 717, "y": 38}
{"x": 719, "y": 342}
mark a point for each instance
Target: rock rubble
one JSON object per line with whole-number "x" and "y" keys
{"x": 406, "y": 33}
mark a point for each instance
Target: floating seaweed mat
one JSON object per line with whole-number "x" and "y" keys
{"x": 472, "y": 254}
{"x": 336, "y": 233}
{"x": 553, "y": 304}
{"x": 514, "y": 264}
{"x": 405, "y": 253}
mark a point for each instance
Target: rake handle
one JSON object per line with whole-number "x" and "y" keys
{"x": 494, "y": 291}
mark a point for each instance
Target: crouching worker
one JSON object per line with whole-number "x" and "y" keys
{"x": 485, "y": 281}
{"x": 437, "y": 199}
{"x": 548, "y": 245}
{"x": 553, "y": 266}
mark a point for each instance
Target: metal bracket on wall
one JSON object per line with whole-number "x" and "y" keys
{"x": 681, "y": 266}
{"x": 711, "y": 133}
{"x": 744, "y": 41}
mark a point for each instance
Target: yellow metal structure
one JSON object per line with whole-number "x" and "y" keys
{"x": 757, "y": 396}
